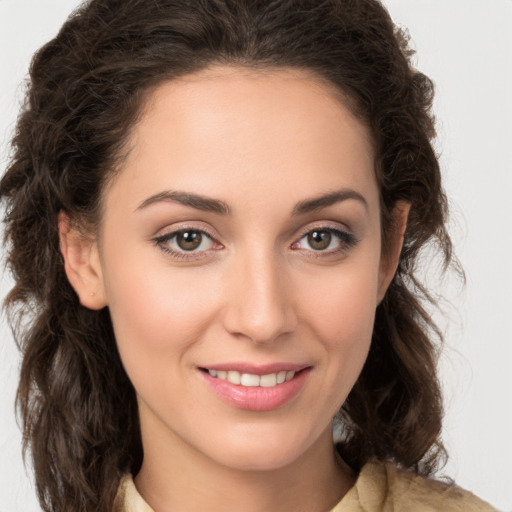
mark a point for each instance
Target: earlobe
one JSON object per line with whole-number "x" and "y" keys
{"x": 81, "y": 264}
{"x": 391, "y": 258}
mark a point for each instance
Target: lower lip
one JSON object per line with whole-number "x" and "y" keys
{"x": 257, "y": 398}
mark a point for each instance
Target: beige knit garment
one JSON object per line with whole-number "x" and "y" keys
{"x": 379, "y": 488}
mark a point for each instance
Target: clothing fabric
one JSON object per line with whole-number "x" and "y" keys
{"x": 379, "y": 488}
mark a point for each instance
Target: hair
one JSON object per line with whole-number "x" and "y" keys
{"x": 87, "y": 87}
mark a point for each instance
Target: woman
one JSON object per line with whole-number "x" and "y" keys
{"x": 233, "y": 196}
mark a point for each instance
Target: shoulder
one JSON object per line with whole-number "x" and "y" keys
{"x": 128, "y": 498}
{"x": 386, "y": 487}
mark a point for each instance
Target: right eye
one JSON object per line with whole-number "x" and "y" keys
{"x": 186, "y": 242}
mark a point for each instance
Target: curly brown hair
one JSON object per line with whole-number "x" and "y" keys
{"x": 87, "y": 85}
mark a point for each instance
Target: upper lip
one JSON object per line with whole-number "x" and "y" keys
{"x": 254, "y": 369}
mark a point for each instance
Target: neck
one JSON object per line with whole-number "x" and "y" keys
{"x": 176, "y": 477}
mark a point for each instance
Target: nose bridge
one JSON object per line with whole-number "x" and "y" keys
{"x": 259, "y": 306}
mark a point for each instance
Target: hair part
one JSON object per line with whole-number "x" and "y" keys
{"x": 87, "y": 89}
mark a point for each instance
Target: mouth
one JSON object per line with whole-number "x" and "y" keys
{"x": 256, "y": 388}
{"x": 252, "y": 380}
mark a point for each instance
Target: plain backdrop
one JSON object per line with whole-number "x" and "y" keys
{"x": 466, "y": 47}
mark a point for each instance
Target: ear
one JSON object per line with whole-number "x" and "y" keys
{"x": 81, "y": 264}
{"x": 390, "y": 259}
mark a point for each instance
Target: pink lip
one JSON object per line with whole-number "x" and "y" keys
{"x": 257, "y": 398}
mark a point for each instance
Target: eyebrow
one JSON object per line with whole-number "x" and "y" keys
{"x": 323, "y": 201}
{"x": 209, "y": 204}
{"x": 196, "y": 201}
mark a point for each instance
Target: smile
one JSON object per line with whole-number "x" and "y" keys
{"x": 256, "y": 388}
{"x": 250, "y": 380}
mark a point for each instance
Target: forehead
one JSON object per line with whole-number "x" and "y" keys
{"x": 234, "y": 132}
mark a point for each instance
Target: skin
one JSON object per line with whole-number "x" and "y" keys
{"x": 255, "y": 291}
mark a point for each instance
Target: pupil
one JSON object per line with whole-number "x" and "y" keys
{"x": 319, "y": 240}
{"x": 189, "y": 240}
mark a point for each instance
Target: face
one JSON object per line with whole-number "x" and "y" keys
{"x": 240, "y": 258}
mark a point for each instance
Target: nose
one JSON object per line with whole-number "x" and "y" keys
{"x": 259, "y": 303}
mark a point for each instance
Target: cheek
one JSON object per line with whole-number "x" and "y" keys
{"x": 344, "y": 301}
{"x": 342, "y": 314}
{"x": 157, "y": 314}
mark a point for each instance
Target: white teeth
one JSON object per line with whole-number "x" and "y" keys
{"x": 268, "y": 381}
{"x": 234, "y": 377}
{"x": 249, "y": 380}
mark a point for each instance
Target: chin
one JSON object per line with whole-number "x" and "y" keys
{"x": 260, "y": 460}
{"x": 261, "y": 452}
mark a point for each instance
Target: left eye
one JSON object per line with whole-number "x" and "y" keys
{"x": 324, "y": 240}
{"x": 186, "y": 240}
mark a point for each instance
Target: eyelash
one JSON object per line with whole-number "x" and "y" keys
{"x": 346, "y": 242}
{"x": 162, "y": 242}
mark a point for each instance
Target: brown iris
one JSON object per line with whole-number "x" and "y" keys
{"x": 319, "y": 240}
{"x": 189, "y": 240}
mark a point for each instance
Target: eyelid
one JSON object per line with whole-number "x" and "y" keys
{"x": 172, "y": 231}
{"x": 324, "y": 225}
{"x": 347, "y": 238}
{"x": 183, "y": 226}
